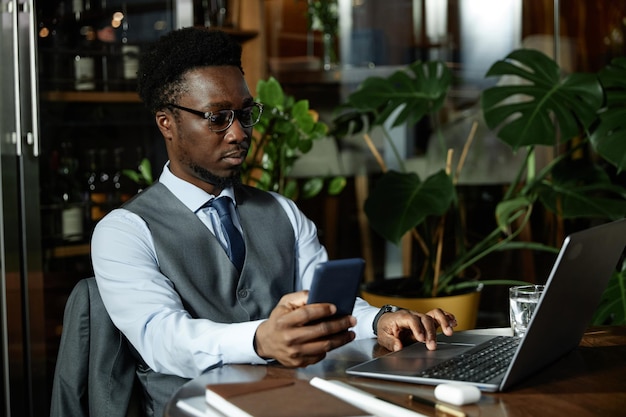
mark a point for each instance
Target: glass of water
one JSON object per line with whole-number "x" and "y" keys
{"x": 522, "y": 304}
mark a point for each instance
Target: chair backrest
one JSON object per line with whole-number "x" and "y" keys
{"x": 95, "y": 370}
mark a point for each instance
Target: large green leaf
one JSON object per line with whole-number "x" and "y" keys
{"x": 401, "y": 201}
{"x": 419, "y": 90}
{"x": 301, "y": 115}
{"x": 348, "y": 120}
{"x": 587, "y": 201}
{"x": 542, "y": 106}
{"x": 270, "y": 93}
{"x": 609, "y": 139}
{"x": 581, "y": 189}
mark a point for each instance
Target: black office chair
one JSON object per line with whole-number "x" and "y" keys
{"x": 95, "y": 370}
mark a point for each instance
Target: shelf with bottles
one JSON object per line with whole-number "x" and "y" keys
{"x": 227, "y": 16}
{"x": 80, "y": 183}
{"x": 92, "y": 45}
{"x": 102, "y": 139}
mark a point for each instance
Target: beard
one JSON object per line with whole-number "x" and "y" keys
{"x": 216, "y": 180}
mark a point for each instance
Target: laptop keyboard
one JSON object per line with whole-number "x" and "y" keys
{"x": 479, "y": 364}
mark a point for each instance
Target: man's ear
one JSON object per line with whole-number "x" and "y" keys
{"x": 164, "y": 123}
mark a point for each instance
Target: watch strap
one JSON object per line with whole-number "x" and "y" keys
{"x": 387, "y": 308}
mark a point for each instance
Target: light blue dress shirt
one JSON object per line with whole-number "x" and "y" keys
{"x": 144, "y": 305}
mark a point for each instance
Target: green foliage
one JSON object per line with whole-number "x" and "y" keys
{"x": 286, "y": 131}
{"x": 609, "y": 138}
{"x": 400, "y": 202}
{"x": 323, "y": 15}
{"x": 527, "y": 111}
{"x": 143, "y": 175}
{"x": 547, "y": 110}
{"x": 419, "y": 91}
{"x": 585, "y": 113}
{"x": 612, "y": 310}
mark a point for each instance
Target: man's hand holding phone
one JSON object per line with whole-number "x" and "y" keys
{"x": 303, "y": 327}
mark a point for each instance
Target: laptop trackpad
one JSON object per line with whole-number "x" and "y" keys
{"x": 416, "y": 357}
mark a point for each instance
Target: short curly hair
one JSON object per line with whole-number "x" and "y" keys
{"x": 163, "y": 65}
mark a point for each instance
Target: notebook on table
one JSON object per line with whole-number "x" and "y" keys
{"x": 269, "y": 397}
{"x": 573, "y": 291}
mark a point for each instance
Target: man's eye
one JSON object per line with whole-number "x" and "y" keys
{"x": 246, "y": 114}
{"x": 220, "y": 118}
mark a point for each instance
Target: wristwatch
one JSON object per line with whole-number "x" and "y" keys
{"x": 387, "y": 308}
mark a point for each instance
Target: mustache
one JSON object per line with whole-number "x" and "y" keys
{"x": 240, "y": 150}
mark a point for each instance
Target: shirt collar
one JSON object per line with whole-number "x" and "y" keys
{"x": 190, "y": 195}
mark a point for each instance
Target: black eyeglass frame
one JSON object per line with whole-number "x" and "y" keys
{"x": 233, "y": 113}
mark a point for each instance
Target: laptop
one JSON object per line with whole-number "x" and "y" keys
{"x": 573, "y": 291}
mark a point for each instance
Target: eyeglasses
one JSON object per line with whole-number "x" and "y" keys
{"x": 221, "y": 120}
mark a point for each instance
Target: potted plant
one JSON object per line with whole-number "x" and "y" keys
{"x": 286, "y": 131}
{"x": 576, "y": 112}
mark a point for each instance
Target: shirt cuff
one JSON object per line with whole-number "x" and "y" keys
{"x": 240, "y": 347}
{"x": 365, "y": 314}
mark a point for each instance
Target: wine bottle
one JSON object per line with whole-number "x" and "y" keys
{"x": 130, "y": 58}
{"x": 130, "y": 53}
{"x": 86, "y": 62}
{"x": 68, "y": 193}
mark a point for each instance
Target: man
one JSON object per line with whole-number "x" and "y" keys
{"x": 161, "y": 261}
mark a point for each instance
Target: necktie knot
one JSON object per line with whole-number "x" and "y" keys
{"x": 235, "y": 245}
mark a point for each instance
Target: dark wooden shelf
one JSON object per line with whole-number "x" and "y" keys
{"x": 68, "y": 251}
{"x": 91, "y": 96}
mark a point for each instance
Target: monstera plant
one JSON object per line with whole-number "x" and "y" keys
{"x": 575, "y": 114}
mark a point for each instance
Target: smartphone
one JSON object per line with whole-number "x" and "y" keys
{"x": 337, "y": 282}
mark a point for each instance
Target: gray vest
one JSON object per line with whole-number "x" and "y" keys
{"x": 193, "y": 259}
{"x": 203, "y": 275}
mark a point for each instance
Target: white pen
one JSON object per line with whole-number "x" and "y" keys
{"x": 363, "y": 399}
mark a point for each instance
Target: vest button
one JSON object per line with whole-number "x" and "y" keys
{"x": 243, "y": 293}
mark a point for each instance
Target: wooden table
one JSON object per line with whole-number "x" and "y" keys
{"x": 589, "y": 381}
